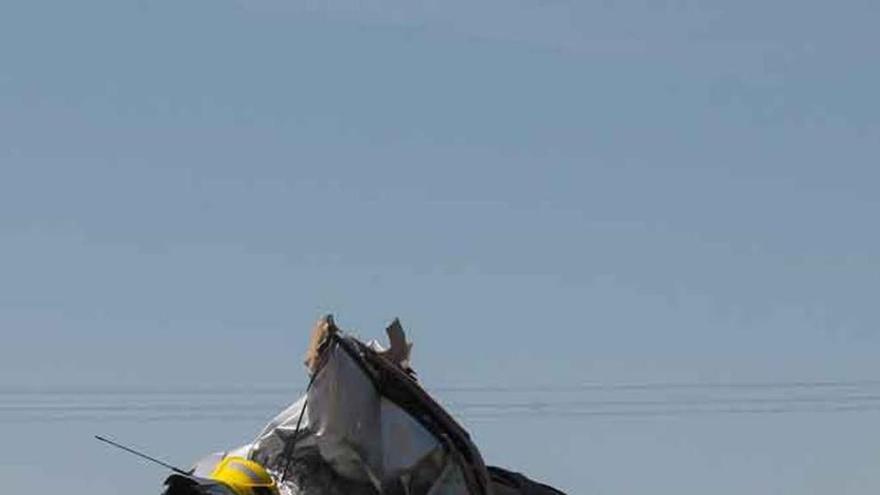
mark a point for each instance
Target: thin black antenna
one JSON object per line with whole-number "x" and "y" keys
{"x": 145, "y": 456}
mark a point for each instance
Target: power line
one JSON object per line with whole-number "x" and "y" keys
{"x": 534, "y": 404}
{"x": 292, "y": 389}
{"x": 485, "y": 411}
{"x": 639, "y": 386}
{"x": 674, "y": 412}
{"x": 506, "y": 416}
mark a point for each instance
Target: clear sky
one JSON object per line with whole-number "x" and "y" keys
{"x": 549, "y": 193}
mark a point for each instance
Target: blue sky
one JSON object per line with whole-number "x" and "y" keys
{"x": 546, "y": 192}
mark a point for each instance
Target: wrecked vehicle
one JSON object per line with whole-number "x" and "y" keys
{"x": 364, "y": 426}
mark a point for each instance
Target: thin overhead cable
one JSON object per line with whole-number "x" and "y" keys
{"x": 292, "y": 389}
{"x": 468, "y": 417}
{"x": 537, "y": 405}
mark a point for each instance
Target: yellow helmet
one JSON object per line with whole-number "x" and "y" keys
{"x": 245, "y": 477}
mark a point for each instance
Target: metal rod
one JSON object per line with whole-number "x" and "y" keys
{"x": 145, "y": 456}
